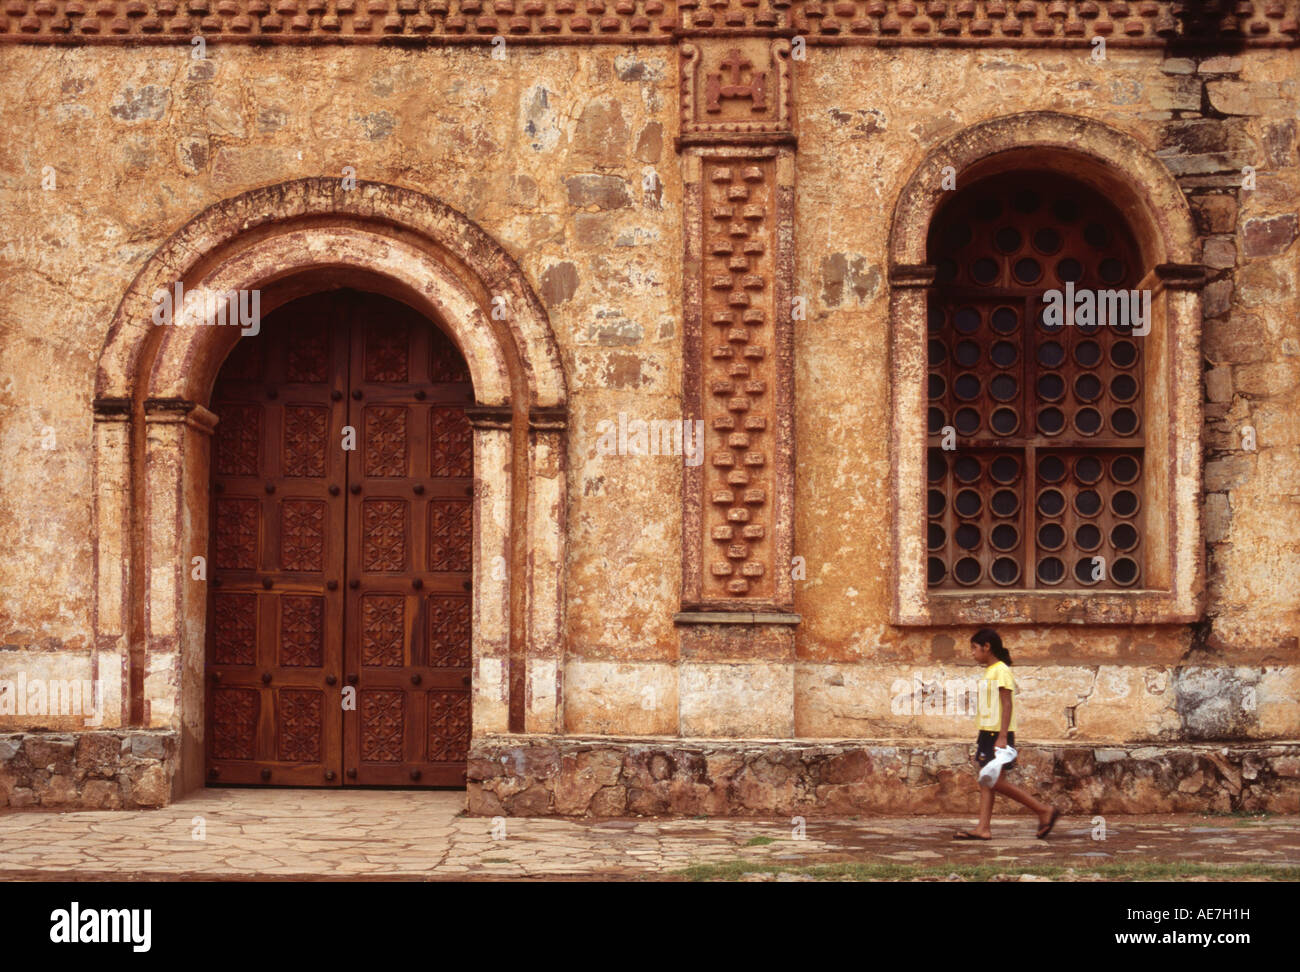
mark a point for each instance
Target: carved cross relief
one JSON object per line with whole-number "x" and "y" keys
{"x": 736, "y": 64}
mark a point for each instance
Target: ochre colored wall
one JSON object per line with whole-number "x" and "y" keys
{"x": 566, "y": 157}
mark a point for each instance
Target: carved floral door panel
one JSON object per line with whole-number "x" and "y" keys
{"x": 408, "y": 555}
{"x": 334, "y": 566}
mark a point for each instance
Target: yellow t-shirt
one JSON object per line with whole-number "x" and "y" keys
{"x": 996, "y": 676}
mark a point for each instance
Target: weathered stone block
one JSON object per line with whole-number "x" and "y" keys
{"x": 1218, "y": 517}
{"x": 22, "y": 796}
{"x": 601, "y": 191}
{"x": 1220, "y": 253}
{"x": 101, "y": 795}
{"x": 609, "y": 802}
{"x": 9, "y": 748}
{"x": 60, "y": 789}
{"x": 1218, "y": 384}
{"x": 1233, "y": 97}
{"x": 851, "y": 767}
{"x": 52, "y": 753}
{"x": 1216, "y": 298}
{"x": 1269, "y": 236}
{"x": 148, "y": 747}
{"x": 1220, "y": 65}
{"x": 1215, "y": 213}
{"x": 148, "y": 786}
{"x": 1266, "y": 380}
{"x": 99, "y": 754}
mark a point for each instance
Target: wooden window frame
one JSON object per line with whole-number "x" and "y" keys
{"x": 1172, "y": 589}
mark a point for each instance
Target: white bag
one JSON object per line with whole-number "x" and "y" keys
{"x": 993, "y": 768}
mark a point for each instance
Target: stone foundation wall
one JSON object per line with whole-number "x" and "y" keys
{"x": 120, "y": 770}
{"x": 538, "y": 775}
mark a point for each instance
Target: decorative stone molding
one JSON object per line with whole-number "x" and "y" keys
{"x": 1038, "y": 22}
{"x": 740, "y": 90}
{"x": 1159, "y": 216}
{"x": 885, "y": 22}
{"x": 738, "y": 519}
{"x": 346, "y": 21}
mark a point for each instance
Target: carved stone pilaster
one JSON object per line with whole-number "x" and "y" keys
{"x": 737, "y": 146}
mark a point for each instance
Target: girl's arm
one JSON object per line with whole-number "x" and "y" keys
{"x": 1004, "y": 694}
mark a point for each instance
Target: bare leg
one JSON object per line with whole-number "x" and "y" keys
{"x": 1044, "y": 810}
{"x": 986, "y": 813}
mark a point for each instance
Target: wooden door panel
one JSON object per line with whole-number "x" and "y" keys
{"x": 410, "y": 482}
{"x": 276, "y": 610}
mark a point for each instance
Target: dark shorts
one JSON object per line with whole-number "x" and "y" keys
{"x": 984, "y": 746}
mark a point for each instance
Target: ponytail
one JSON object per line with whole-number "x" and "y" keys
{"x": 991, "y": 640}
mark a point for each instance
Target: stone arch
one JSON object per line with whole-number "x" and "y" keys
{"x": 1124, "y": 170}
{"x": 153, "y": 427}
{"x": 1105, "y": 158}
{"x": 229, "y": 242}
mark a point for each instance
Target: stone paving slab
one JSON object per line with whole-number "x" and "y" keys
{"x": 423, "y": 835}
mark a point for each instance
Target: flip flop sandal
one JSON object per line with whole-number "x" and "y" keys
{"x": 967, "y": 835}
{"x": 1046, "y": 829}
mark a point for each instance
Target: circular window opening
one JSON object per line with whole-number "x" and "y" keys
{"x": 1008, "y": 239}
{"x": 1050, "y": 570}
{"x": 1051, "y": 536}
{"x": 1005, "y": 503}
{"x": 1005, "y": 571}
{"x": 935, "y": 536}
{"x": 1005, "y": 320}
{"x": 1005, "y": 469}
{"x": 1004, "y": 537}
{"x": 1005, "y": 421}
{"x": 968, "y": 469}
{"x": 984, "y": 270}
{"x": 1087, "y": 502}
{"x": 966, "y": 571}
{"x": 1051, "y": 469}
{"x": 968, "y": 503}
{"x": 1004, "y": 354}
{"x": 1051, "y": 421}
{"x": 1051, "y": 502}
{"x": 967, "y": 354}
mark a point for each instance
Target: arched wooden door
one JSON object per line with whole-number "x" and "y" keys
{"x": 339, "y": 609}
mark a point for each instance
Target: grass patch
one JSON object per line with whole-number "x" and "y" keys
{"x": 760, "y": 841}
{"x": 891, "y": 871}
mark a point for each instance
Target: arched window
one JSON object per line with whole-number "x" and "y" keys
{"x": 1036, "y": 447}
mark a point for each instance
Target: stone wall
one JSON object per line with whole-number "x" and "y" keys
{"x": 95, "y": 770}
{"x": 530, "y": 776}
{"x": 565, "y": 156}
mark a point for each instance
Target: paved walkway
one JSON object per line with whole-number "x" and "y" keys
{"x": 420, "y": 835}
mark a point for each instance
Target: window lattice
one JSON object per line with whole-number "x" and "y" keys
{"x": 1046, "y": 476}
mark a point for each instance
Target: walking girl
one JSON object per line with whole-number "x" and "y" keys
{"x": 995, "y": 746}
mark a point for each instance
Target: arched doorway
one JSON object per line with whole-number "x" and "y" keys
{"x": 153, "y": 434}
{"x": 338, "y": 636}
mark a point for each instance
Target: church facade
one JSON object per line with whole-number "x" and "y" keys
{"x": 633, "y": 406}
